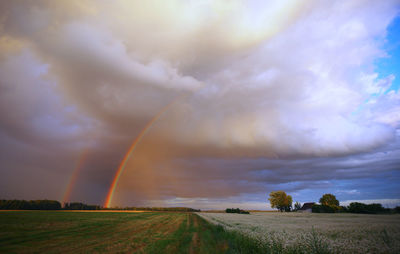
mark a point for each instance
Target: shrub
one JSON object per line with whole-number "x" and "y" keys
{"x": 343, "y": 209}
{"x": 236, "y": 210}
{"x": 357, "y": 207}
{"x": 80, "y": 206}
{"x": 297, "y": 206}
{"x": 325, "y": 208}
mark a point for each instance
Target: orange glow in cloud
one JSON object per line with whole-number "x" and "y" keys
{"x": 79, "y": 165}
{"x": 132, "y": 148}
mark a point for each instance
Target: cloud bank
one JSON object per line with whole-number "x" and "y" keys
{"x": 263, "y": 96}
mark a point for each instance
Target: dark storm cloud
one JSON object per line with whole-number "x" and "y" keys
{"x": 263, "y": 97}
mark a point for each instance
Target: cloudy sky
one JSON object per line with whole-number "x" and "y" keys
{"x": 231, "y": 100}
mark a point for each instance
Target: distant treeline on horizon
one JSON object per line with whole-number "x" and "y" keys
{"x": 55, "y": 205}
{"x": 29, "y": 205}
{"x": 355, "y": 207}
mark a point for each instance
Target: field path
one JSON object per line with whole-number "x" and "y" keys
{"x": 194, "y": 246}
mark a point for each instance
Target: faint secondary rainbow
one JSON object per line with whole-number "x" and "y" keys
{"x": 128, "y": 154}
{"x": 78, "y": 166}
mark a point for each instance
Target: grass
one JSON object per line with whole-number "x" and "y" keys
{"x": 169, "y": 232}
{"x": 99, "y": 232}
{"x": 56, "y": 232}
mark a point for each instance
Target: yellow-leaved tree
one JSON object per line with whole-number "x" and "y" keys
{"x": 280, "y": 200}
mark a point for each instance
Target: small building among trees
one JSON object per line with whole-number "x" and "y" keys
{"x": 307, "y": 207}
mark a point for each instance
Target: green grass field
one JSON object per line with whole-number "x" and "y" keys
{"x": 116, "y": 232}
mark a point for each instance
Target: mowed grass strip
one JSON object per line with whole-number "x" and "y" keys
{"x": 99, "y": 232}
{"x": 68, "y": 232}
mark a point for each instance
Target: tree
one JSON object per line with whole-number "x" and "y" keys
{"x": 297, "y": 206}
{"x": 329, "y": 200}
{"x": 237, "y": 210}
{"x": 280, "y": 200}
{"x": 356, "y": 207}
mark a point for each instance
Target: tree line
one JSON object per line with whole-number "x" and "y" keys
{"x": 160, "y": 209}
{"x": 328, "y": 204}
{"x": 30, "y": 205}
{"x": 236, "y": 210}
{"x": 80, "y": 206}
{"x": 55, "y": 205}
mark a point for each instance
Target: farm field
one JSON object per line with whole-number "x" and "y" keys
{"x": 115, "y": 232}
{"x": 172, "y": 232}
{"x": 328, "y": 233}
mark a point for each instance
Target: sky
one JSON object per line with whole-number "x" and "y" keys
{"x": 205, "y": 104}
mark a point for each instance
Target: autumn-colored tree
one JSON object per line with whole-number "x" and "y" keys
{"x": 329, "y": 200}
{"x": 280, "y": 200}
